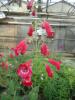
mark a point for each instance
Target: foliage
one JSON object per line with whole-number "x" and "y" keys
{"x": 70, "y": 74}
{"x": 57, "y": 89}
{"x": 33, "y": 95}
{"x": 50, "y": 88}
{"x": 12, "y": 83}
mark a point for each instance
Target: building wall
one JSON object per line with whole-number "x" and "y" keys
{"x": 64, "y": 39}
{"x": 57, "y": 43}
{"x": 10, "y": 35}
{"x": 70, "y": 39}
{"x": 7, "y": 36}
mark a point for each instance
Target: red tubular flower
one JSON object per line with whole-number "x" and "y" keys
{"x": 1, "y": 55}
{"x": 11, "y": 55}
{"x": 27, "y": 78}
{"x": 55, "y": 63}
{"x": 28, "y": 63}
{"x": 30, "y": 30}
{"x": 21, "y": 48}
{"x": 49, "y": 33}
{"x": 4, "y": 65}
{"x": 49, "y": 71}
{"x": 25, "y": 71}
{"x": 28, "y": 84}
{"x": 30, "y": 4}
{"x": 45, "y": 25}
{"x": 44, "y": 49}
{"x": 59, "y": 62}
{"x": 33, "y": 13}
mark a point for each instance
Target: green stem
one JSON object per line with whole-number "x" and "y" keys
{"x": 14, "y": 95}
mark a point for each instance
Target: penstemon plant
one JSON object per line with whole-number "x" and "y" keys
{"x": 22, "y": 70}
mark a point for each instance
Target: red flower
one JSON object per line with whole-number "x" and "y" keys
{"x": 48, "y": 29}
{"x": 28, "y": 63}
{"x": 25, "y": 71}
{"x": 24, "y": 83}
{"x": 59, "y": 62}
{"x": 55, "y": 63}
{"x": 30, "y": 4}
{"x": 33, "y": 13}
{"x": 1, "y": 55}
{"x": 49, "y": 33}
{"x": 21, "y": 48}
{"x": 30, "y": 30}
{"x": 27, "y": 78}
{"x": 45, "y": 49}
{"x": 4, "y": 65}
{"x": 49, "y": 71}
{"x": 11, "y": 55}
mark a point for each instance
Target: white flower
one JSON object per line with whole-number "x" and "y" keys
{"x": 41, "y": 78}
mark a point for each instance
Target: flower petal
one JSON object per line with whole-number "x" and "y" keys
{"x": 49, "y": 71}
{"x": 28, "y": 84}
{"x": 44, "y": 49}
{"x": 55, "y": 63}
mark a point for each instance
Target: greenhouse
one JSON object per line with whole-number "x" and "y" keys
{"x": 37, "y": 50}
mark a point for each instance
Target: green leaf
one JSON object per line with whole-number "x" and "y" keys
{"x": 11, "y": 88}
{"x": 18, "y": 98}
{"x": 33, "y": 95}
{"x": 3, "y": 82}
{"x": 6, "y": 97}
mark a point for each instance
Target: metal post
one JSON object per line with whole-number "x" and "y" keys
{"x": 47, "y": 7}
